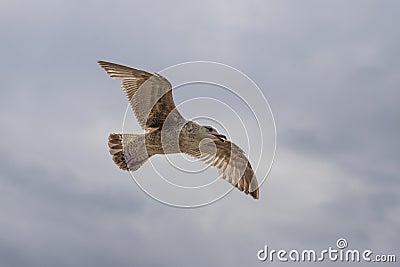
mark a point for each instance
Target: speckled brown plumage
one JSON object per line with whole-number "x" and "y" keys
{"x": 167, "y": 131}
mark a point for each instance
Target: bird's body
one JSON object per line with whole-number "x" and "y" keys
{"x": 168, "y": 132}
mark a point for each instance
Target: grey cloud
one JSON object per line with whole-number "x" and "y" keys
{"x": 329, "y": 71}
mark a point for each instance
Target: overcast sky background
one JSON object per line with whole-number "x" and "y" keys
{"x": 330, "y": 70}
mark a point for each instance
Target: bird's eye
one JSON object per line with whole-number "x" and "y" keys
{"x": 209, "y": 129}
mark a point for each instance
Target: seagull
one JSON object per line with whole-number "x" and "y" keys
{"x": 168, "y": 132}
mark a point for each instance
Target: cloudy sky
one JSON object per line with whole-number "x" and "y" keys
{"x": 329, "y": 69}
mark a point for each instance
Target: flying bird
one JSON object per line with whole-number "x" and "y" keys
{"x": 168, "y": 132}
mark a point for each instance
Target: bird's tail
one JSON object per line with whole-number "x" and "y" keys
{"x": 128, "y": 151}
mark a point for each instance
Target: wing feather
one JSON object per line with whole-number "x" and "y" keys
{"x": 231, "y": 162}
{"x": 150, "y": 95}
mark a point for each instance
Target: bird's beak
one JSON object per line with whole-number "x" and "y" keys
{"x": 220, "y": 137}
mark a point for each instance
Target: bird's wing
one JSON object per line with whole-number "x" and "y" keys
{"x": 231, "y": 162}
{"x": 150, "y": 95}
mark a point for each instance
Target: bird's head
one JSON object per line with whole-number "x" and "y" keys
{"x": 212, "y": 133}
